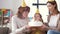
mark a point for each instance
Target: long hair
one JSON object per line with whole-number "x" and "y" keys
{"x": 53, "y": 3}
{"x": 21, "y": 10}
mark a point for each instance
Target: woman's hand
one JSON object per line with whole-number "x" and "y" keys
{"x": 28, "y": 27}
{"x": 43, "y": 27}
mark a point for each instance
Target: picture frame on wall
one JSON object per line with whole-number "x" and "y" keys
{"x": 5, "y": 16}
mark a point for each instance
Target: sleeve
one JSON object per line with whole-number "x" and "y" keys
{"x": 15, "y": 29}
{"x": 14, "y": 25}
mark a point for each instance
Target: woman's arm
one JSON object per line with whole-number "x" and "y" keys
{"x": 15, "y": 28}
{"x": 58, "y": 26}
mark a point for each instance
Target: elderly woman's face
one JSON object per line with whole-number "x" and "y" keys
{"x": 25, "y": 14}
{"x": 50, "y": 6}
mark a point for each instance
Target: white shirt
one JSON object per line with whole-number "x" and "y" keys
{"x": 18, "y": 24}
{"x": 53, "y": 20}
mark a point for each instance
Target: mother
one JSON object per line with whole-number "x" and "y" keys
{"x": 53, "y": 19}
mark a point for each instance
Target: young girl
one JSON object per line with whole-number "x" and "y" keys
{"x": 36, "y": 24}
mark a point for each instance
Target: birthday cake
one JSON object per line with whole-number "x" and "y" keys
{"x": 35, "y": 23}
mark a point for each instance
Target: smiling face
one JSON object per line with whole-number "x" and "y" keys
{"x": 25, "y": 14}
{"x": 50, "y": 7}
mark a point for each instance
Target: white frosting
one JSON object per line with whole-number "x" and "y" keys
{"x": 35, "y": 23}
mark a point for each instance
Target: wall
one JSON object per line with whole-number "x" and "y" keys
{"x": 58, "y": 3}
{"x": 10, "y": 4}
{"x": 14, "y": 4}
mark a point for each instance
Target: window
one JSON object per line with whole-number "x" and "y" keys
{"x": 42, "y": 8}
